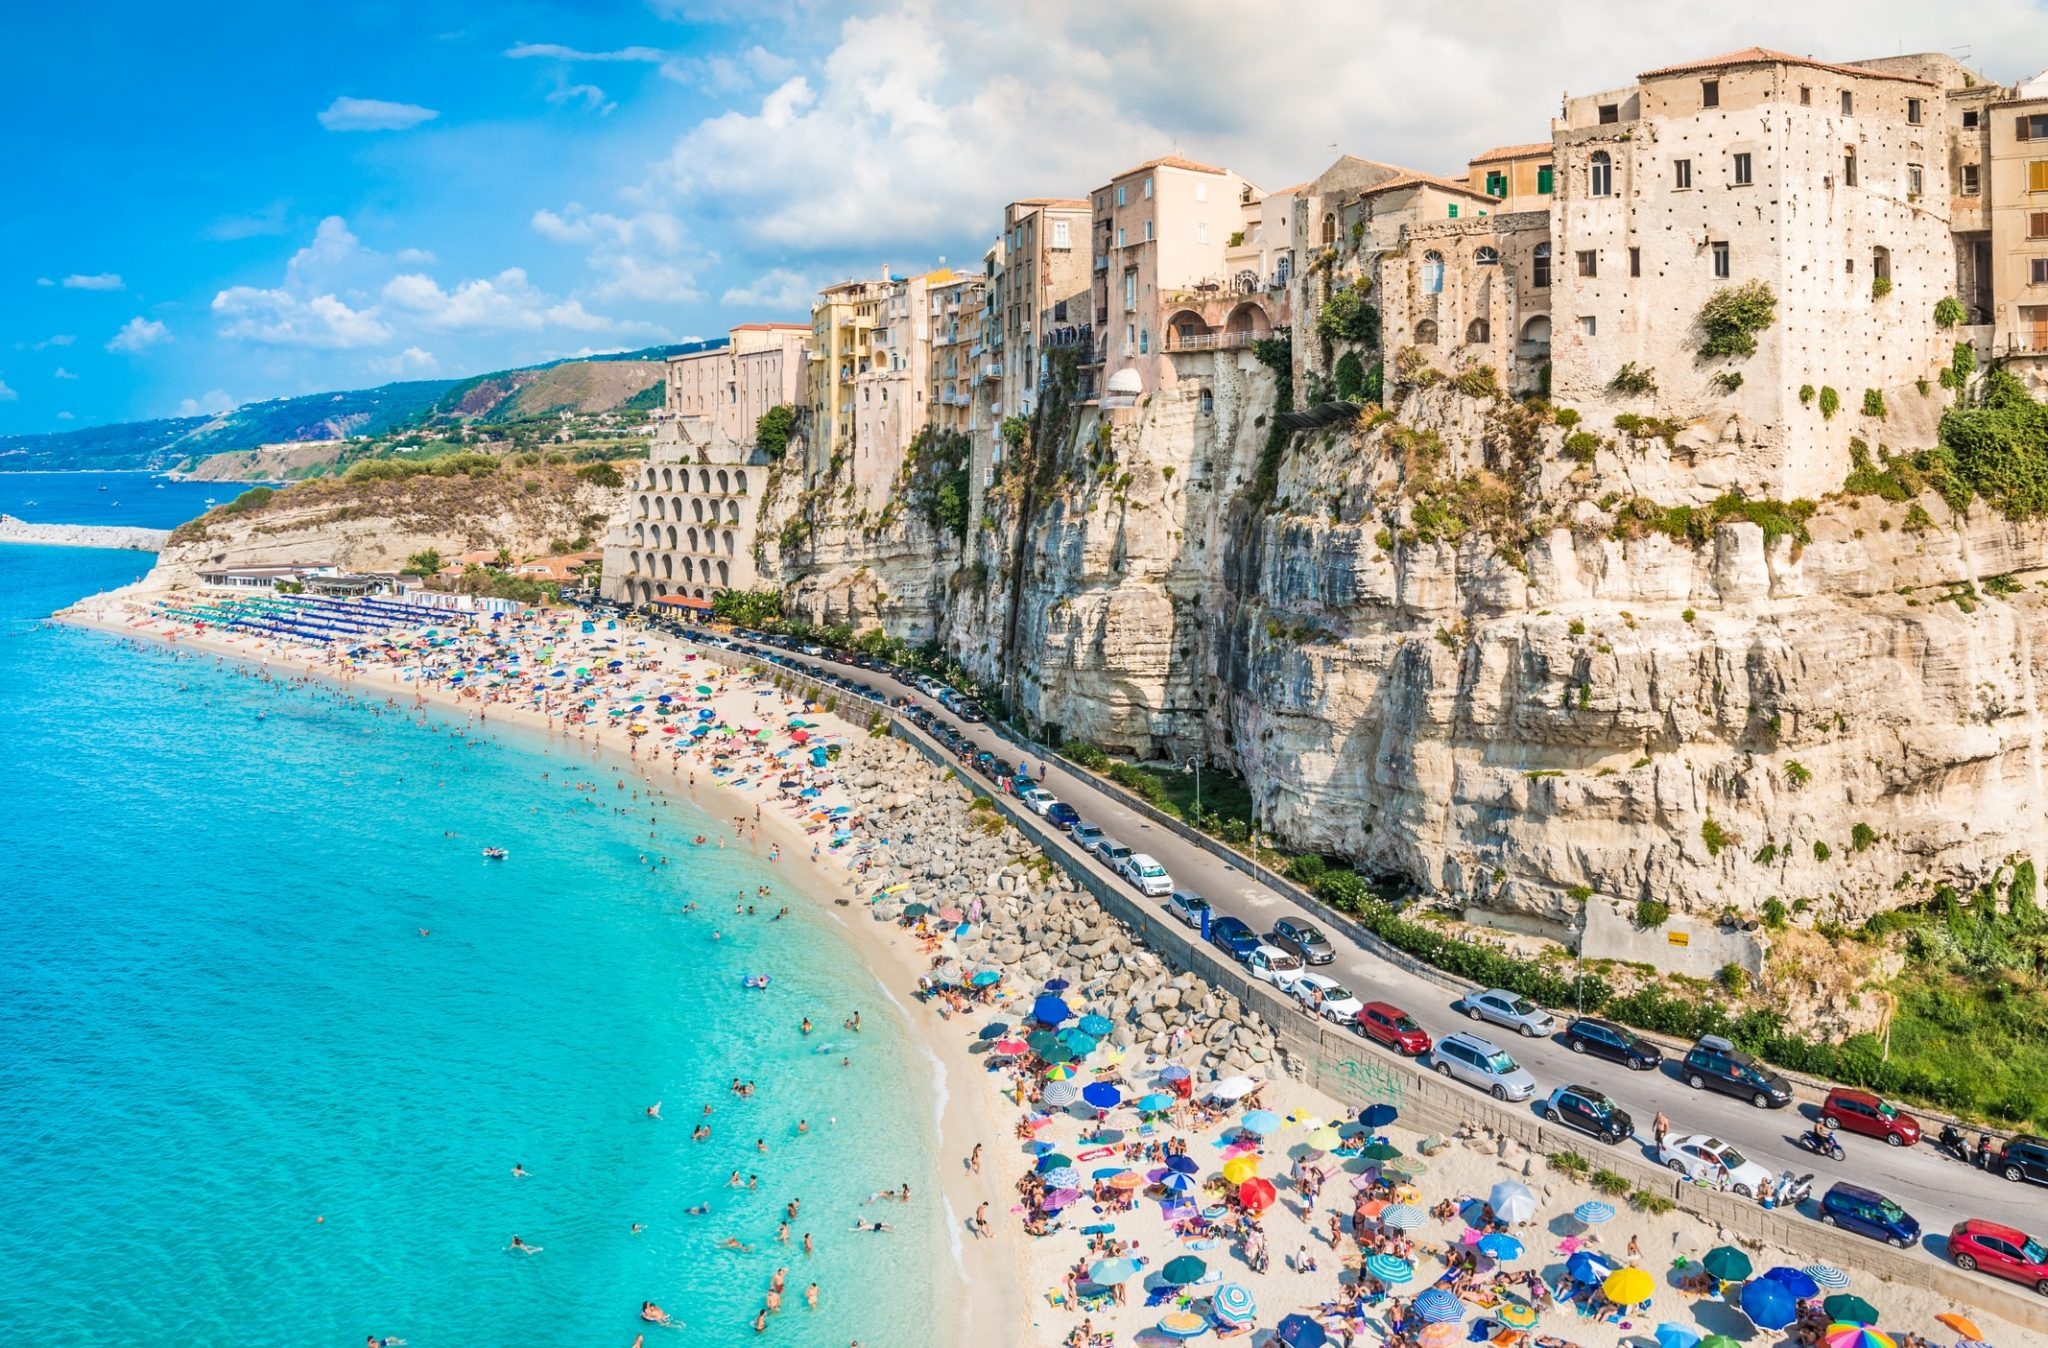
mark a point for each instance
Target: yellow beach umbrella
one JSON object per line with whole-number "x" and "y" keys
{"x": 1324, "y": 1139}
{"x": 1238, "y": 1169}
{"x": 1628, "y": 1286}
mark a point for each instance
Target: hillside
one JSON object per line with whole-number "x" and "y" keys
{"x": 585, "y": 386}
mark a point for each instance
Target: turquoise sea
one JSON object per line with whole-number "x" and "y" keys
{"x": 242, "y": 1101}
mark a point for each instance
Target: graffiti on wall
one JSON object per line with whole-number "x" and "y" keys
{"x": 1376, "y": 1083}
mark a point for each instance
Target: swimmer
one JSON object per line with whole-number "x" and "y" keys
{"x": 519, "y": 1171}
{"x": 761, "y": 1145}
{"x": 807, "y": 1244}
{"x": 734, "y": 1182}
{"x": 803, "y": 1126}
{"x": 761, "y": 1321}
{"x": 811, "y": 1296}
{"x": 638, "y": 1227}
{"x": 653, "y": 1314}
{"x": 700, "y": 1210}
{"x": 873, "y": 1226}
{"x": 782, "y": 1234}
{"x": 794, "y": 1204}
{"x": 853, "y": 1022}
{"x": 424, "y": 932}
{"x": 735, "y": 1243}
{"x": 700, "y": 1132}
{"x": 807, "y": 1025}
{"x": 519, "y": 1246}
{"x": 779, "y": 1281}
{"x": 654, "y": 1110}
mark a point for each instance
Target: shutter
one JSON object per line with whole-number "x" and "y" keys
{"x": 2020, "y": 131}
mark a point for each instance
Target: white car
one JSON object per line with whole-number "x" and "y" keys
{"x": 1322, "y": 995}
{"x": 1148, "y": 875}
{"x": 1271, "y": 964}
{"x": 1038, "y": 800}
{"x": 1709, "y": 1160}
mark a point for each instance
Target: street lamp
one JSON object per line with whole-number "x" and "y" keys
{"x": 1194, "y": 765}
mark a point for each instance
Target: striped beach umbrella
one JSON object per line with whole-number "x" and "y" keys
{"x": 1517, "y": 1315}
{"x": 1060, "y": 1094}
{"x": 1182, "y": 1325}
{"x": 1856, "y": 1336}
{"x": 1233, "y": 1304}
{"x": 1066, "y": 1177}
{"x": 1404, "y": 1217}
{"x": 1443, "y": 1335}
{"x": 1594, "y": 1212}
{"x": 1438, "y": 1306}
{"x": 1390, "y": 1270}
{"x": 1827, "y": 1275}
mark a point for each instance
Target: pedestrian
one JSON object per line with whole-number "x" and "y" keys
{"x": 1660, "y": 1128}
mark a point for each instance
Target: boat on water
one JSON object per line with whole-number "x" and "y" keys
{"x": 494, "y": 854}
{"x": 209, "y": 503}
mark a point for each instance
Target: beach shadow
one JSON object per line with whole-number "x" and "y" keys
{"x": 1718, "y": 1317}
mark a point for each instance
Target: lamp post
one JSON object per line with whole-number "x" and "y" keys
{"x": 1194, "y": 765}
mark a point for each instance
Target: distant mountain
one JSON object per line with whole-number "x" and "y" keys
{"x": 585, "y": 384}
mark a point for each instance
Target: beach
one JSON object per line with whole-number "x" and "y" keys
{"x": 1086, "y": 1257}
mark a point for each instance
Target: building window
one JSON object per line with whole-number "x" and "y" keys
{"x": 1119, "y": 236}
{"x": 2032, "y": 126}
{"x": 1454, "y": 210}
{"x": 1062, "y": 236}
{"x": 1432, "y": 273}
{"x": 1208, "y": 402}
{"x": 1496, "y": 183}
{"x": 1610, "y": 113}
{"x": 1539, "y": 268}
{"x": 1635, "y": 262}
{"x": 2033, "y": 333}
{"x": 1130, "y": 289}
{"x": 1916, "y": 180}
{"x": 1201, "y": 231}
{"x": 1425, "y": 332}
{"x": 1486, "y": 257}
{"x": 1970, "y": 188}
{"x": 1120, "y": 194}
{"x": 1101, "y": 205}
{"x": 1544, "y": 178}
{"x": 2037, "y": 271}
{"x": 1589, "y": 262}
{"x": 1742, "y": 171}
{"x": 1479, "y": 332}
{"x": 1589, "y": 326}
{"x": 1913, "y": 111}
{"x": 2037, "y": 175}
{"x": 1848, "y": 104}
{"x": 1144, "y": 340}
{"x": 1849, "y": 166}
{"x": 1710, "y": 93}
{"x": 1201, "y": 191}
{"x": 1681, "y": 175}
{"x": 1720, "y": 251}
{"x": 1970, "y": 120}
{"x": 1602, "y": 175}
{"x": 1806, "y": 95}
{"x": 2037, "y": 224}
{"x": 1148, "y": 231}
{"x": 1880, "y": 264}
{"x": 1329, "y": 228}
{"x": 1148, "y": 189}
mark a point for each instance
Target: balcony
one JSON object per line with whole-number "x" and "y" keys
{"x": 992, "y": 370}
{"x": 1102, "y": 262}
{"x": 1208, "y": 341}
{"x": 1069, "y": 336}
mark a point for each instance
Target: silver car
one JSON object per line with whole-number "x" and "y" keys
{"x": 1292, "y": 933}
{"x": 1482, "y": 1063}
{"x": 1511, "y": 1009}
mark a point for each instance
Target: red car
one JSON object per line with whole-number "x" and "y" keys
{"x": 1862, "y": 1112}
{"x": 1390, "y": 1025}
{"x": 2000, "y": 1251}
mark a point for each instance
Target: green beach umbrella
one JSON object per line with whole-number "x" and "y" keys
{"x": 915, "y": 910}
{"x": 1850, "y": 1309}
{"x": 1184, "y": 1270}
{"x": 1407, "y": 1166}
{"x": 1381, "y": 1151}
{"x": 1727, "y": 1263}
{"x": 1043, "y": 1042}
{"x": 1058, "y": 1053}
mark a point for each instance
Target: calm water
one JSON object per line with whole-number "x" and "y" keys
{"x": 130, "y": 498}
{"x": 218, "y": 1026}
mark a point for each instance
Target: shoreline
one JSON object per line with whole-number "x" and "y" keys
{"x": 988, "y": 1305}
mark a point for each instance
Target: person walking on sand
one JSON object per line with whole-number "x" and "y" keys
{"x": 974, "y": 1160}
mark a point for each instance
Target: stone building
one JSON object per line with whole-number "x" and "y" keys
{"x": 890, "y": 399}
{"x": 1038, "y": 297}
{"x": 954, "y": 313}
{"x": 843, "y": 321}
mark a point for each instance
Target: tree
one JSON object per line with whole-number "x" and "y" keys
{"x": 423, "y": 563}
{"x": 503, "y": 561}
{"x": 772, "y": 431}
{"x": 601, "y": 474}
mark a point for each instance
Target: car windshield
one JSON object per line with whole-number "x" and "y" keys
{"x": 1598, "y": 1104}
{"x": 1285, "y": 962}
{"x": 1500, "y": 1064}
{"x": 2034, "y": 1253}
{"x": 1519, "y": 1005}
{"x": 1309, "y": 935}
{"x": 1733, "y": 1158}
{"x": 1151, "y": 872}
{"x": 1406, "y": 1024}
{"x": 1195, "y": 901}
{"x": 1337, "y": 992}
{"x": 1887, "y": 1110}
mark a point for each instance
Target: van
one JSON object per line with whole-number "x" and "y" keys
{"x": 1484, "y": 1064}
{"x": 1869, "y": 1213}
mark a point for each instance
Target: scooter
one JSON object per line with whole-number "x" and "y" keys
{"x": 1821, "y": 1144}
{"x": 1953, "y": 1143}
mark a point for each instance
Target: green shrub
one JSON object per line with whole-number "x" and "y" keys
{"x": 1346, "y": 317}
{"x": 1949, "y": 311}
{"x": 1306, "y": 869}
{"x": 1797, "y": 773}
{"x": 1774, "y": 913}
{"x": 1733, "y": 979}
{"x": 1576, "y": 628}
{"x": 1650, "y": 1201}
{"x": 1566, "y": 417}
{"x": 1917, "y": 521}
{"x": 1632, "y": 381}
{"x": 1861, "y": 837}
{"x": 1821, "y": 851}
{"x": 601, "y": 474}
{"x": 1873, "y": 403}
{"x": 1582, "y": 446}
{"x": 1651, "y": 914}
{"x": 772, "y": 430}
{"x": 1830, "y": 402}
{"x": 1570, "y": 1163}
{"x": 253, "y": 499}
{"x": 1805, "y": 394}
{"x": 1727, "y": 380}
{"x": 1345, "y": 891}
{"x": 1731, "y": 318}
{"x": 1880, "y": 286}
{"x": 1714, "y": 836}
{"x": 1350, "y": 375}
{"x": 1607, "y": 1182}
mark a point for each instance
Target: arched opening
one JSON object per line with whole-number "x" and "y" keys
{"x": 677, "y": 502}
{"x": 1535, "y": 343}
{"x": 1880, "y": 264}
{"x": 697, "y": 508}
{"x": 1425, "y": 332}
{"x": 704, "y": 479}
{"x": 1186, "y": 331}
{"x": 724, "y": 573}
{"x": 668, "y": 565}
{"x": 633, "y": 563}
{"x": 1248, "y": 320}
{"x": 724, "y": 482}
{"x": 668, "y": 481}
{"x": 692, "y": 536}
{"x": 739, "y": 482}
{"x": 728, "y": 543}
{"x": 689, "y": 569}
{"x": 1329, "y": 228}
{"x": 661, "y": 507}
{"x": 673, "y": 536}
{"x": 1486, "y": 257}
{"x": 732, "y": 511}
{"x": 1432, "y": 273}
{"x": 700, "y": 592}
{"x": 1600, "y": 175}
{"x": 1539, "y": 268}
{"x": 1478, "y": 332}
{"x": 639, "y": 533}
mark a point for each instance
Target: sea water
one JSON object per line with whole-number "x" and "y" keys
{"x": 143, "y": 500}
{"x": 244, "y": 1101}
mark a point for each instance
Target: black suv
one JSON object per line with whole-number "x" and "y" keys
{"x": 2024, "y": 1158}
{"x": 1605, "y": 1039}
{"x": 1714, "y": 1062}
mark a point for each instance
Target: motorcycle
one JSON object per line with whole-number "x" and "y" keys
{"x": 1953, "y": 1143}
{"x": 1821, "y": 1144}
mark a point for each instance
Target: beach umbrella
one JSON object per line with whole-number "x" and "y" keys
{"x": 1080, "y": 1044}
{"x": 1324, "y": 1139}
{"x": 986, "y": 977}
{"x": 1299, "y": 1331}
{"x": 1153, "y": 1102}
{"x": 1011, "y": 1048}
{"x": 1587, "y": 1266}
{"x": 1629, "y": 1287}
{"x": 1380, "y": 1151}
{"x": 703, "y": 690}
{"x": 1102, "y": 1095}
{"x": 1827, "y": 1275}
{"x": 1233, "y": 1304}
{"x": 1594, "y": 1212}
{"x": 1096, "y": 1025}
{"x": 1126, "y": 1181}
{"x": 1107, "y": 1172}
{"x": 1066, "y": 1177}
{"x": 1232, "y": 1088}
{"x": 1389, "y": 1269}
{"x": 1727, "y": 1263}
{"x": 1178, "y": 1184}
{"x": 1173, "y": 1071}
{"x": 1110, "y": 1272}
{"x": 1795, "y": 1281}
{"x": 950, "y": 914}
{"x": 995, "y": 1029}
{"x": 1183, "y": 1270}
{"x": 1183, "y": 1165}
{"x": 1672, "y": 1335}
{"x": 1043, "y": 1041}
{"x": 1377, "y": 1116}
{"x": 1050, "y": 1011}
{"x": 1853, "y": 1310}
{"x": 915, "y": 909}
{"x": 1404, "y": 1217}
{"x": 1501, "y": 1247}
{"x": 1238, "y": 1169}
{"x": 1512, "y": 1202}
{"x": 1058, "y": 1053}
{"x": 1257, "y": 1194}
{"x": 1260, "y": 1121}
{"x": 1050, "y": 1157}
{"x": 1407, "y": 1168}
{"x": 1438, "y": 1306}
{"x": 1060, "y": 1094}
{"x": 1056, "y": 985}
{"x": 1437, "y": 1336}
{"x": 1182, "y": 1325}
{"x": 1718, "y": 1341}
{"x": 1961, "y": 1324}
{"x": 1060, "y": 1198}
{"x": 1768, "y": 1304}
{"x": 1517, "y": 1315}
{"x": 1856, "y": 1336}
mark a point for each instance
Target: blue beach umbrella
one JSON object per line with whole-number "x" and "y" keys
{"x": 1593, "y": 1213}
{"x": 1260, "y": 1121}
{"x": 1106, "y": 1172}
{"x": 1178, "y": 1183}
{"x": 1767, "y": 1304}
{"x": 1501, "y": 1247}
{"x": 1102, "y": 1095}
{"x": 1066, "y": 1177}
{"x": 1050, "y": 1011}
{"x": 1233, "y": 1304}
{"x": 1438, "y": 1306}
{"x": 1183, "y": 1165}
{"x": 986, "y": 977}
{"x": 1795, "y": 1281}
{"x": 1057, "y": 985}
{"x": 1082, "y": 1044}
{"x": 1671, "y": 1335}
{"x": 1096, "y": 1025}
{"x": 1110, "y": 1272}
{"x": 1377, "y": 1116}
{"x": 1173, "y": 1071}
{"x": 1586, "y": 1266}
{"x": 1299, "y": 1331}
{"x": 1154, "y": 1102}
{"x": 1390, "y": 1270}
{"x": 995, "y": 1029}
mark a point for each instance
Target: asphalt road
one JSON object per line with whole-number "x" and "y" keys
{"x": 1937, "y": 1190}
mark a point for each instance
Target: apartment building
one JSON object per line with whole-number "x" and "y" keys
{"x": 1038, "y": 297}
{"x": 890, "y": 398}
{"x": 843, "y": 321}
{"x": 717, "y": 397}
{"x": 954, "y": 315}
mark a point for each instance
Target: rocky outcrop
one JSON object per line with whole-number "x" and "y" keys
{"x": 124, "y": 537}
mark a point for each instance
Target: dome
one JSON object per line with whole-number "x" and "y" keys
{"x": 1126, "y": 381}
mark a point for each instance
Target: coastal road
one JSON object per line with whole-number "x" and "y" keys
{"x": 1935, "y": 1189}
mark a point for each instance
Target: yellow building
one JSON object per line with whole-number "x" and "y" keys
{"x": 1519, "y": 177}
{"x": 842, "y": 349}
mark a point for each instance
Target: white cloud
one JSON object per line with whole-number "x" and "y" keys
{"x": 776, "y": 289}
{"x": 412, "y": 360}
{"x": 269, "y": 220}
{"x": 211, "y": 403}
{"x": 44, "y": 281}
{"x": 56, "y": 339}
{"x": 641, "y": 256}
{"x": 105, "y": 280}
{"x": 556, "y": 51}
{"x": 61, "y": 373}
{"x": 592, "y": 96}
{"x": 281, "y": 318}
{"x": 64, "y": 416}
{"x": 373, "y": 114}
{"x": 507, "y": 302}
{"x": 8, "y": 395}
{"x": 139, "y": 334}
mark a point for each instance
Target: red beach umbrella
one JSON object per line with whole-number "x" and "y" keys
{"x": 1257, "y": 1194}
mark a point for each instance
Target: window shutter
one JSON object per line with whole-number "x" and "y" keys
{"x": 2020, "y": 131}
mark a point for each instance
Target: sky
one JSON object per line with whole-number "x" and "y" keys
{"x": 208, "y": 205}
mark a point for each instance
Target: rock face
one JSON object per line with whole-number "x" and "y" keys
{"x": 1447, "y": 648}
{"x": 13, "y": 530}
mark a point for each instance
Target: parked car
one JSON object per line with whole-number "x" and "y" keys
{"x": 1302, "y": 937}
{"x": 1322, "y": 995}
{"x": 1716, "y": 1063}
{"x": 1147, "y": 875}
{"x": 1385, "y": 1023}
{"x": 1869, "y": 1213}
{"x": 1062, "y": 815}
{"x": 1511, "y": 1009}
{"x": 1271, "y": 964}
{"x": 2000, "y": 1251}
{"x": 1087, "y": 835}
{"x": 971, "y": 713}
{"x": 1708, "y": 1160}
{"x": 1590, "y": 1112}
{"x": 1038, "y": 800}
{"x": 1605, "y": 1039}
{"x": 1113, "y": 853}
{"x": 1232, "y": 937}
{"x": 1188, "y": 906}
{"x": 1862, "y": 1112}
{"x": 2024, "y": 1158}
{"x": 1484, "y": 1064}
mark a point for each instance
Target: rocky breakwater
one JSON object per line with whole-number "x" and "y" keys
{"x": 1035, "y": 923}
{"x": 119, "y": 536}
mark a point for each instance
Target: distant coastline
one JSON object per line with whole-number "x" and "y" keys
{"x": 131, "y": 538}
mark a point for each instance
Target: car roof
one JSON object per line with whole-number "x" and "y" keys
{"x": 1471, "y": 1040}
{"x": 1188, "y": 896}
{"x": 1143, "y": 859}
{"x": 1318, "y": 980}
{"x": 1388, "y": 1007}
{"x": 1851, "y": 1093}
{"x": 1977, "y": 1226}
{"x": 1598, "y": 1023}
{"x": 1848, "y": 1190}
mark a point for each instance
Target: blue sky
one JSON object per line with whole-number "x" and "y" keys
{"x": 212, "y": 205}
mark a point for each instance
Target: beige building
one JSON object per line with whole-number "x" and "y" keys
{"x": 1518, "y": 177}
{"x": 843, "y": 320}
{"x": 954, "y": 315}
{"x": 718, "y": 396}
{"x": 1038, "y": 296}
{"x": 889, "y": 399}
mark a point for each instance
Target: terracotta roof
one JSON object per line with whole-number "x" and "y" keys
{"x": 1754, "y": 56}
{"x": 685, "y": 601}
{"x": 1289, "y": 191}
{"x": 1168, "y": 161}
{"x": 770, "y": 327}
{"x": 1413, "y": 179}
{"x": 1068, "y": 202}
{"x": 1528, "y": 151}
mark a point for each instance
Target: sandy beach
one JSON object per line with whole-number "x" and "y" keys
{"x": 1095, "y": 1233}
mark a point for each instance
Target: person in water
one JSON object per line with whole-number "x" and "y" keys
{"x": 654, "y": 1110}
{"x": 519, "y": 1246}
{"x": 519, "y": 1171}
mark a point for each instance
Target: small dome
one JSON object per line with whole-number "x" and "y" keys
{"x": 1126, "y": 381}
